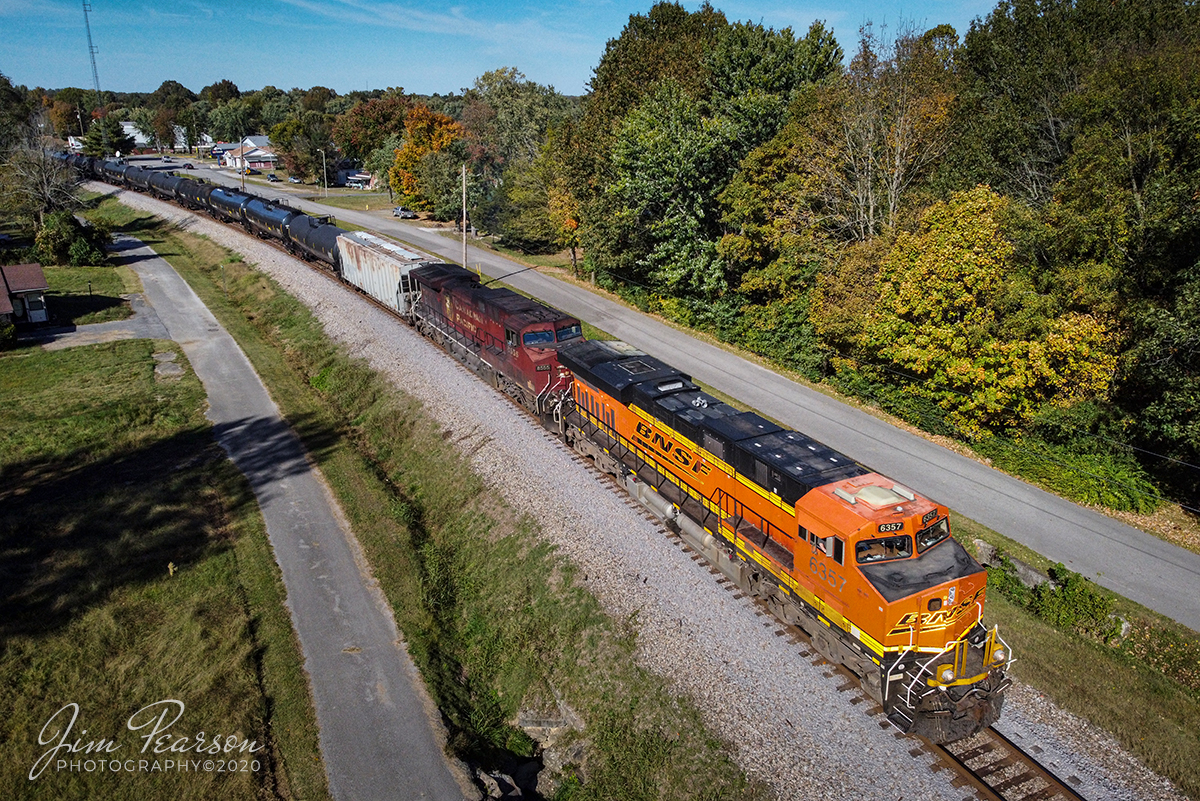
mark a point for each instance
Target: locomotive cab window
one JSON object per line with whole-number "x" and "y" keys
{"x": 510, "y": 337}
{"x": 570, "y": 332}
{"x": 884, "y": 548}
{"x": 833, "y": 547}
{"x": 536, "y": 339}
{"x": 933, "y": 535}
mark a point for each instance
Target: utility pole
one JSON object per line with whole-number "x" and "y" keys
{"x": 464, "y": 214}
{"x": 95, "y": 76}
{"x": 324, "y": 174}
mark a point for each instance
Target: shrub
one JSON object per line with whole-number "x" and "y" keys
{"x": 1073, "y": 602}
{"x": 1003, "y": 578}
{"x": 8, "y": 335}
{"x": 64, "y": 240}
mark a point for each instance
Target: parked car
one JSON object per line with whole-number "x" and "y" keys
{"x": 403, "y": 213}
{"x": 272, "y": 177}
{"x": 252, "y": 171}
{"x": 294, "y": 180}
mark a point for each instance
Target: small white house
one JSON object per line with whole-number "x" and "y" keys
{"x": 254, "y": 152}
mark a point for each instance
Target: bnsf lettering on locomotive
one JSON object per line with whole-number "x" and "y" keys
{"x": 655, "y": 440}
{"x": 934, "y": 621}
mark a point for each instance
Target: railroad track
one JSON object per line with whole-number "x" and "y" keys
{"x": 998, "y": 769}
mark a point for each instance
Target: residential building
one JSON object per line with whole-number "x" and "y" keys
{"x": 23, "y": 293}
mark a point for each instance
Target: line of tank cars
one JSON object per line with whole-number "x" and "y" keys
{"x": 867, "y": 567}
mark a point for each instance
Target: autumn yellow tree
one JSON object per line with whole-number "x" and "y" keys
{"x": 954, "y": 312}
{"x": 426, "y": 133}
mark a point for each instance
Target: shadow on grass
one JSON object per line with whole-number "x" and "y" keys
{"x": 68, "y": 308}
{"x": 74, "y": 531}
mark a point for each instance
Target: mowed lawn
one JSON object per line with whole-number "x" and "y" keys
{"x": 134, "y": 569}
{"x": 84, "y": 295}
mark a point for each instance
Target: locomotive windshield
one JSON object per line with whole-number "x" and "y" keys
{"x": 570, "y": 332}
{"x": 882, "y": 549}
{"x": 933, "y": 535}
{"x": 536, "y": 339}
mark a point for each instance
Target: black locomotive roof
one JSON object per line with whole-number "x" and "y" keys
{"x": 515, "y": 310}
{"x": 436, "y": 276}
{"x": 785, "y": 462}
{"x": 617, "y": 368}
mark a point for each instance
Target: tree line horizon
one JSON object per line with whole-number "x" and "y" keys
{"x": 994, "y": 236}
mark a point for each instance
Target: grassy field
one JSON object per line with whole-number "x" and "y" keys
{"x": 83, "y": 295}
{"x": 357, "y": 200}
{"x": 494, "y": 619}
{"x": 135, "y": 568}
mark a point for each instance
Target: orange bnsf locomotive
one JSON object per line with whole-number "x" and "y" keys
{"x": 866, "y": 567}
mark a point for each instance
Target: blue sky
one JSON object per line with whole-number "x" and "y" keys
{"x": 369, "y": 44}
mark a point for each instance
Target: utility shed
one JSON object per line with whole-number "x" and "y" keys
{"x": 23, "y": 299}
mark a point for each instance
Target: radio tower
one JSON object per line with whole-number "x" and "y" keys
{"x": 95, "y": 75}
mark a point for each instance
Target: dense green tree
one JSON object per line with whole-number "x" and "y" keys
{"x": 506, "y": 117}
{"x": 143, "y": 121}
{"x": 14, "y": 112}
{"x": 220, "y": 92}
{"x": 317, "y": 98}
{"x": 172, "y": 95}
{"x": 231, "y": 122}
{"x": 749, "y": 57}
{"x": 299, "y": 142}
{"x": 107, "y": 130}
{"x": 951, "y": 312}
{"x": 368, "y": 124}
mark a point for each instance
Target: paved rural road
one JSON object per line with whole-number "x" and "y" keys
{"x": 1137, "y": 565}
{"x": 377, "y": 735}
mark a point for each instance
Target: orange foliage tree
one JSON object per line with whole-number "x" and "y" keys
{"x": 426, "y": 132}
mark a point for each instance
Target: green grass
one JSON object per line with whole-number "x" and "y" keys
{"x": 359, "y": 201}
{"x": 494, "y": 619}
{"x": 135, "y": 569}
{"x": 83, "y": 295}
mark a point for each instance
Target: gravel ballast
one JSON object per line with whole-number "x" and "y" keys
{"x": 784, "y": 716}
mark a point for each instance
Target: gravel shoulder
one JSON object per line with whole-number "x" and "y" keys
{"x": 785, "y": 719}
